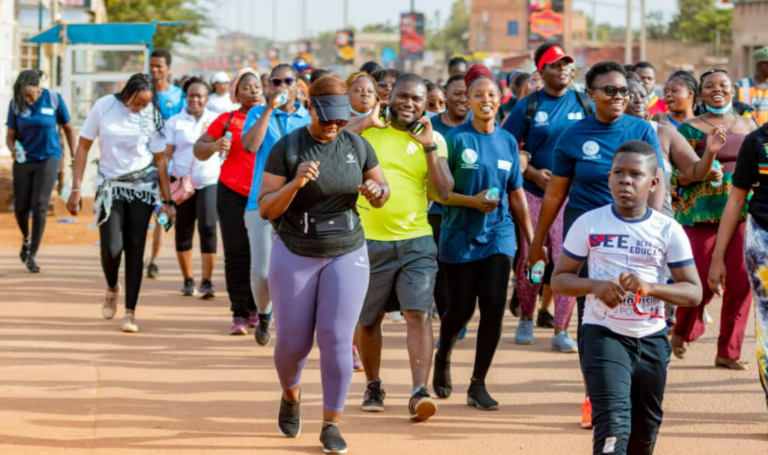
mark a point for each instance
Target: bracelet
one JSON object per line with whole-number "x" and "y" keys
{"x": 382, "y": 193}
{"x": 430, "y": 148}
{"x": 74, "y": 190}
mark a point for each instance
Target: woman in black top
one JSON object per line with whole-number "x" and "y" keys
{"x": 318, "y": 270}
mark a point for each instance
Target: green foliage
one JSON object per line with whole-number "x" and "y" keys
{"x": 190, "y": 11}
{"x": 700, "y": 21}
{"x": 454, "y": 36}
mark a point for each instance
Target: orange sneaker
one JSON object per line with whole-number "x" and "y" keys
{"x": 586, "y": 414}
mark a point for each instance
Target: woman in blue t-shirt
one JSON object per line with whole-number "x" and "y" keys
{"x": 477, "y": 240}
{"x": 33, "y": 139}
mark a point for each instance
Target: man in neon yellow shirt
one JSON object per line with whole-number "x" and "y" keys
{"x": 401, "y": 250}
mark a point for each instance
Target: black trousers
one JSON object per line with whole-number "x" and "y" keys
{"x": 570, "y": 215}
{"x": 125, "y": 231}
{"x": 201, "y": 207}
{"x": 237, "y": 251}
{"x": 32, "y": 186}
{"x": 485, "y": 282}
{"x": 441, "y": 280}
{"x": 626, "y": 378}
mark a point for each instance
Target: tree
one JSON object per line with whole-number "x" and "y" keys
{"x": 700, "y": 21}
{"x": 189, "y": 11}
{"x": 656, "y": 26}
{"x": 454, "y": 37}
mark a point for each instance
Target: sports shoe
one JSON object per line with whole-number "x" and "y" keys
{"x": 32, "y": 266}
{"x": 129, "y": 323}
{"x": 441, "y": 378}
{"x": 524, "y": 332}
{"x": 253, "y": 319}
{"x": 331, "y": 439}
{"x": 478, "y": 396}
{"x": 239, "y": 326}
{"x": 373, "y": 400}
{"x": 357, "y": 363}
{"x": 289, "y": 418}
{"x": 421, "y": 406}
{"x": 544, "y": 319}
{"x": 263, "y": 329}
{"x": 188, "y": 289}
{"x": 514, "y": 304}
{"x": 586, "y": 414}
{"x": 109, "y": 306}
{"x": 395, "y": 316}
{"x": 205, "y": 291}
{"x": 24, "y": 251}
{"x": 463, "y": 333}
{"x": 708, "y": 321}
{"x": 563, "y": 343}
{"x": 152, "y": 271}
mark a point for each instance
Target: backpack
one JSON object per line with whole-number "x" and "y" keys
{"x": 533, "y": 104}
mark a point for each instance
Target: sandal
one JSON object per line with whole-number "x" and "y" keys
{"x": 678, "y": 351}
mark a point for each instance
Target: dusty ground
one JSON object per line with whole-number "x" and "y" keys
{"x": 72, "y": 383}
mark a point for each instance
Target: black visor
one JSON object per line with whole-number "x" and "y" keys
{"x": 331, "y": 107}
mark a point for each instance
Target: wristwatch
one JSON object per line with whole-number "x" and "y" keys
{"x": 168, "y": 202}
{"x": 431, "y": 148}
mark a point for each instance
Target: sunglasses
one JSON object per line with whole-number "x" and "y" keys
{"x": 384, "y": 84}
{"x": 339, "y": 123}
{"x": 612, "y": 90}
{"x": 288, "y": 81}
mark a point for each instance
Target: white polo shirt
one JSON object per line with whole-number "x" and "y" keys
{"x": 182, "y": 131}
{"x": 221, "y": 104}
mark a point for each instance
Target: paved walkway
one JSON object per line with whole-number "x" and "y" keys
{"x": 72, "y": 383}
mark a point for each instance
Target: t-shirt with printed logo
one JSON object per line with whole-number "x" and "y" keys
{"x": 402, "y": 159}
{"x": 613, "y": 245}
{"x": 584, "y": 153}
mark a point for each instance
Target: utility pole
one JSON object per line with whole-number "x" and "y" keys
{"x": 274, "y": 21}
{"x": 642, "y": 30}
{"x": 304, "y": 14}
{"x": 413, "y": 6}
{"x": 346, "y": 14}
{"x": 628, "y": 35}
{"x": 594, "y": 22}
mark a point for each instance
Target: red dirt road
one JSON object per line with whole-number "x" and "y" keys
{"x": 72, "y": 383}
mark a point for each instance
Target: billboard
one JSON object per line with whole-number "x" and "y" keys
{"x": 411, "y": 36}
{"x": 546, "y": 21}
{"x": 345, "y": 46}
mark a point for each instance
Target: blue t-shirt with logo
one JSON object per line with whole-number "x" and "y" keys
{"x": 287, "y": 123}
{"x": 553, "y": 115}
{"x": 35, "y": 126}
{"x": 478, "y": 162}
{"x": 171, "y": 101}
{"x": 438, "y": 125}
{"x": 584, "y": 153}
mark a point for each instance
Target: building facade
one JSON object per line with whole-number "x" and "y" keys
{"x": 749, "y": 33}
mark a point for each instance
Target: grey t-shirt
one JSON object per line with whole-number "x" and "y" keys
{"x": 333, "y": 196}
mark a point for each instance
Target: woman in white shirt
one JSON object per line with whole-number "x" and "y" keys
{"x": 129, "y": 127}
{"x": 182, "y": 131}
{"x": 220, "y": 101}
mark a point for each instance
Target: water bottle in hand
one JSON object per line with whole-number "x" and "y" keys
{"x": 224, "y": 154}
{"x": 493, "y": 194}
{"x": 282, "y": 98}
{"x": 162, "y": 219}
{"x": 21, "y": 154}
{"x": 536, "y": 274}
{"x": 716, "y": 166}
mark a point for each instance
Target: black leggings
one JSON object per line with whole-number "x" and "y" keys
{"x": 485, "y": 281}
{"x": 32, "y": 186}
{"x": 237, "y": 250}
{"x": 201, "y": 207}
{"x": 125, "y": 230}
{"x": 441, "y": 281}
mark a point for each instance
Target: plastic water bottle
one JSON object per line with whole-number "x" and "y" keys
{"x": 716, "y": 166}
{"x": 493, "y": 194}
{"x": 282, "y": 98}
{"x": 537, "y": 272}
{"x": 21, "y": 154}
{"x": 224, "y": 154}
{"x": 162, "y": 219}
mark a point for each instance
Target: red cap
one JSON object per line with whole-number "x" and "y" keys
{"x": 475, "y": 72}
{"x": 552, "y": 55}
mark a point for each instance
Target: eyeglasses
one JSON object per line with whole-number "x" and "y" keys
{"x": 279, "y": 82}
{"x": 612, "y": 90}
{"x": 384, "y": 84}
{"x": 339, "y": 123}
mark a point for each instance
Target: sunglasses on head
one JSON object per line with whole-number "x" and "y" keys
{"x": 612, "y": 90}
{"x": 276, "y": 82}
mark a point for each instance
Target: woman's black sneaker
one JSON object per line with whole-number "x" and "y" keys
{"x": 32, "y": 265}
{"x": 545, "y": 320}
{"x": 373, "y": 400}
{"x": 478, "y": 396}
{"x": 206, "y": 290}
{"x": 24, "y": 251}
{"x": 441, "y": 380}
{"x": 332, "y": 441}
{"x": 188, "y": 290}
{"x": 289, "y": 419}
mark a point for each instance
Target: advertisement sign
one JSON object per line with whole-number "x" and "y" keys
{"x": 411, "y": 36}
{"x": 546, "y": 21}
{"x": 345, "y": 46}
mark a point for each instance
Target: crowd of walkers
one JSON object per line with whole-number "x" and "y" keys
{"x": 340, "y": 202}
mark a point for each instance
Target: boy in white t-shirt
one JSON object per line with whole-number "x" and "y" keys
{"x": 625, "y": 348}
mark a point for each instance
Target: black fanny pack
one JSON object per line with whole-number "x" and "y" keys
{"x": 323, "y": 224}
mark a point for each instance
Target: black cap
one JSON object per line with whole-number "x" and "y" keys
{"x": 331, "y": 107}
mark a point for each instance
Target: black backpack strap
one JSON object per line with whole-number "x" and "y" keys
{"x": 585, "y": 102}
{"x": 359, "y": 144}
{"x": 532, "y": 103}
{"x": 229, "y": 120}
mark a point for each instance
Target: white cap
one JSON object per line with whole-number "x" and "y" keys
{"x": 220, "y": 78}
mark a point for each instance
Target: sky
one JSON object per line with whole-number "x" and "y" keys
{"x": 255, "y": 16}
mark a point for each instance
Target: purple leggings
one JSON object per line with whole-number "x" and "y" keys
{"x": 528, "y": 292}
{"x": 323, "y": 295}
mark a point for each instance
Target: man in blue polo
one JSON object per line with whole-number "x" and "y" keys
{"x": 263, "y": 127}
